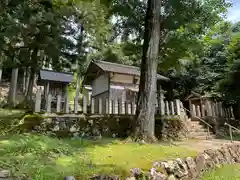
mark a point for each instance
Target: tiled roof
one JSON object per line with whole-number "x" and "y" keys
{"x": 125, "y": 69}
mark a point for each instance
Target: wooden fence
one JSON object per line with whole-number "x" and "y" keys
{"x": 213, "y": 110}
{"x": 105, "y": 106}
{"x": 101, "y": 106}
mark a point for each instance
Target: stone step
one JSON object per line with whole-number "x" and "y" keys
{"x": 197, "y": 127}
{"x": 194, "y": 122}
{"x": 200, "y": 134}
{"x": 198, "y": 130}
{"x": 204, "y": 137}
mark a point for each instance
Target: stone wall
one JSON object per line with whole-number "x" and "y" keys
{"x": 190, "y": 168}
{"x": 95, "y": 126}
{"x": 174, "y": 129}
{"x": 90, "y": 127}
{"x": 109, "y": 126}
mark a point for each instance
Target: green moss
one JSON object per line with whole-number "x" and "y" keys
{"x": 50, "y": 158}
{"x": 226, "y": 172}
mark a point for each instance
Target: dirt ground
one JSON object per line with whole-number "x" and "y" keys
{"x": 201, "y": 145}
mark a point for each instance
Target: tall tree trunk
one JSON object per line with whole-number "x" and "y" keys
{"x": 27, "y": 80}
{"x": 13, "y": 87}
{"x": 145, "y": 115}
{"x": 24, "y": 80}
{"x": 30, "y": 85}
{"x": 32, "y": 76}
{"x": 78, "y": 69}
{"x": 0, "y": 74}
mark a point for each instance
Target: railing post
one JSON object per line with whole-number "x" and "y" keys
{"x": 230, "y": 132}
{"x": 93, "y": 106}
{"x": 172, "y": 108}
{"x": 85, "y": 104}
{"x": 132, "y": 108}
{"x": 208, "y": 133}
{"x": 76, "y": 104}
{"x": 178, "y": 107}
{"x": 66, "y": 104}
{"x": 59, "y": 99}
{"x": 38, "y": 101}
{"x": 107, "y": 107}
{"x": 167, "y": 108}
{"x": 161, "y": 104}
{"x": 193, "y": 110}
{"x": 100, "y": 106}
{"x": 198, "y": 112}
{"x": 49, "y": 103}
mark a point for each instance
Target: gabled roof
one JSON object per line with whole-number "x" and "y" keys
{"x": 194, "y": 95}
{"x": 124, "y": 69}
{"x": 49, "y": 75}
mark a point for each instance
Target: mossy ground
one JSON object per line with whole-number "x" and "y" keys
{"x": 226, "y": 172}
{"x": 48, "y": 158}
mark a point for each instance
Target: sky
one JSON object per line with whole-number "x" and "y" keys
{"x": 234, "y": 12}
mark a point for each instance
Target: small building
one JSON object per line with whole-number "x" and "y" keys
{"x": 204, "y": 105}
{"x": 114, "y": 81}
{"x": 55, "y": 83}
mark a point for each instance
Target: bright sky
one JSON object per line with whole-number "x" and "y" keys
{"x": 234, "y": 11}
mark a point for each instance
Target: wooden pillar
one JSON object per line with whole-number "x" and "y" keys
{"x": 38, "y": 102}
{"x": 208, "y": 108}
{"x": 161, "y": 104}
{"x": 66, "y": 101}
{"x": 190, "y": 108}
{"x": 193, "y": 112}
{"x": 167, "y": 108}
{"x": 178, "y": 106}
{"x": 172, "y": 108}
{"x": 85, "y": 104}
{"x": 198, "y": 111}
{"x": 49, "y": 103}
{"x": 59, "y": 101}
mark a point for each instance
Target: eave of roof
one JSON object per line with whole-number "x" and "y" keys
{"x": 124, "y": 69}
{"x": 56, "y": 76}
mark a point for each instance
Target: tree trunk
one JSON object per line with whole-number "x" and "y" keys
{"x": 13, "y": 87}
{"x": 32, "y": 76}
{"x": 24, "y": 80}
{"x": 30, "y": 85}
{"x": 78, "y": 72}
{"x": 0, "y": 74}
{"x": 27, "y": 81}
{"x": 145, "y": 115}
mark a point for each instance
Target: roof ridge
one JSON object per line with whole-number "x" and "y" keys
{"x": 117, "y": 64}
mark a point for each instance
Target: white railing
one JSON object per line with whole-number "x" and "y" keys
{"x": 231, "y": 128}
{"x": 102, "y": 106}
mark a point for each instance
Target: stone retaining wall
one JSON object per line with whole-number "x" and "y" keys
{"x": 170, "y": 128}
{"x": 190, "y": 168}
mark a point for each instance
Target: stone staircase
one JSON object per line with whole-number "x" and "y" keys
{"x": 199, "y": 131}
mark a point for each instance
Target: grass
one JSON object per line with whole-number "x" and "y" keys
{"x": 45, "y": 158}
{"x": 226, "y": 172}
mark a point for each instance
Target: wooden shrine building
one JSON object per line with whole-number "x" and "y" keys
{"x": 55, "y": 83}
{"x": 204, "y": 105}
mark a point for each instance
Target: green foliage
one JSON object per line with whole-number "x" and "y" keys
{"x": 182, "y": 23}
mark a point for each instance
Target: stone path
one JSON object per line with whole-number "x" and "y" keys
{"x": 201, "y": 145}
